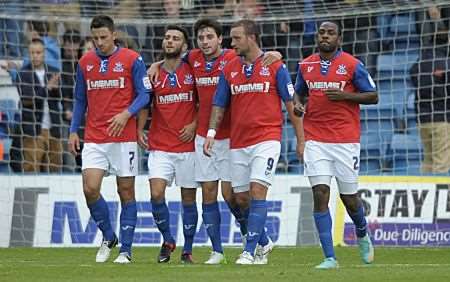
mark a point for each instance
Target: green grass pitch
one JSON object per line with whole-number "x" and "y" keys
{"x": 285, "y": 264}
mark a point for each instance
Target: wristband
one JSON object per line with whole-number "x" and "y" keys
{"x": 211, "y": 133}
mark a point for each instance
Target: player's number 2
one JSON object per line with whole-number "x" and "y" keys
{"x": 131, "y": 158}
{"x": 356, "y": 163}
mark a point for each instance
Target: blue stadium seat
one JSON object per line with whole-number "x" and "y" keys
{"x": 379, "y": 120}
{"x": 9, "y": 107}
{"x": 373, "y": 150}
{"x": 405, "y": 154}
{"x": 398, "y": 31}
{"x": 396, "y": 64}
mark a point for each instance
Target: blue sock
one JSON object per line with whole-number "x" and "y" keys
{"x": 128, "y": 218}
{"x": 263, "y": 239}
{"x": 190, "y": 218}
{"x": 161, "y": 215}
{"x": 241, "y": 217}
{"x": 360, "y": 222}
{"x": 100, "y": 214}
{"x": 256, "y": 221}
{"x": 211, "y": 219}
{"x": 323, "y": 225}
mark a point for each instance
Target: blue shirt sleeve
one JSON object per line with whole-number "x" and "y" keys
{"x": 142, "y": 86}
{"x": 80, "y": 101}
{"x": 301, "y": 88}
{"x": 362, "y": 79}
{"x": 284, "y": 84}
{"x": 223, "y": 94}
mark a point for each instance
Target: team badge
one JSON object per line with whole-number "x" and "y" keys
{"x": 188, "y": 79}
{"x": 341, "y": 70}
{"x": 89, "y": 68}
{"x": 264, "y": 71}
{"x": 118, "y": 67}
{"x": 222, "y": 65}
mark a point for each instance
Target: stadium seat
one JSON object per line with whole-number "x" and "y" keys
{"x": 405, "y": 154}
{"x": 396, "y": 64}
{"x": 378, "y": 120}
{"x": 398, "y": 31}
{"x": 9, "y": 108}
{"x": 373, "y": 149}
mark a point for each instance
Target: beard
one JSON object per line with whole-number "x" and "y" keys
{"x": 327, "y": 48}
{"x": 172, "y": 55}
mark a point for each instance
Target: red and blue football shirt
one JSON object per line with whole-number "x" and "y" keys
{"x": 332, "y": 121}
{"x": 206, "y": 79}
{"x": 106, "y": 86}
{"x": 253, "y": 93}
{"x": 174, "y": 106}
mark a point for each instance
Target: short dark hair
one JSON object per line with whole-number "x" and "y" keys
{"x": 180, "y": 29}
{"x": 100, "y": 21}
{"x": 41, "y": 27}
{"x": 72, "y": 35}
{"x": 250, "y": 28}
{"x": 204, "y": 23}
{"x": 37, "y": 41}
{"x": 337, "y": 23}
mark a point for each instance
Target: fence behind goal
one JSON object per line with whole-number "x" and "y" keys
{"x": 389, "y": 37}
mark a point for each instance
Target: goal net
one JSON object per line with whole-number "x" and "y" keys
{"x": 403, "y": 44}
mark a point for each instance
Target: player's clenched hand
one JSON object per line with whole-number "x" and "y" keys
{"x": 153, "y": 72}
{"x": 207, "y": 147}
{"x": 142, "y": 139}
{"x": 117, "y": 123}
{"x": 271, "y": 57}
{"x": 74, "y": 143}
{"x": 187, "y": 133}
{"x": 299, "y": 109}
{"x": 335, "y": 95}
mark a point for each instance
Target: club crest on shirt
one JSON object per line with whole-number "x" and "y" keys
{"x": 197, "y": 64}
{"x": 222, "y": 65}
{"x": 188, "y": 79}
{"x": 341, "y": 70}
{"x": 118, "y": 67}
{"x": 264, "y": 71}
{"x": 89, "y": 68}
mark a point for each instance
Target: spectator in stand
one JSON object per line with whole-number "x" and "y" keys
{"x": 86, "y": 45}
{"x": 39, "y": 30}
{"x": 431, "y": 21}
{"x": 431, "y": 76}
{"x": 40, "y": 95}
{"x": 70, "y": 55}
